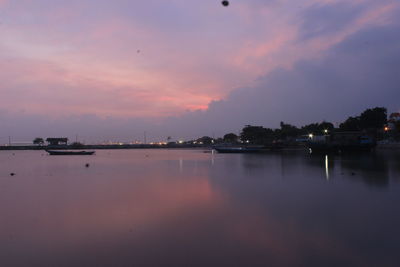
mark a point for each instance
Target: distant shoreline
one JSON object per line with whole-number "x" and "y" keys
{"x": 392, "y": 146}
{"x": 85, "y": 147}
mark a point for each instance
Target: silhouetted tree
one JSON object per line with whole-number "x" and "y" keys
{"x": 288, "y": 131}
{"x": 230, "y": 138}
{"x": 326, "y": 126}
{"x": 256, "y": 134}
{"x": 312, "y": 128}
{"x": 318, "y": 128}
{"x": 351, "y": 124}
{"x": 374, "y": 118}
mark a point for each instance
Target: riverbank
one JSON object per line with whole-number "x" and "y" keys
{"x": 391, "y": 146}
{"x": 85, "y": 147}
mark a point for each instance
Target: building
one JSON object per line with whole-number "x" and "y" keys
{"x": 61, "y": 141}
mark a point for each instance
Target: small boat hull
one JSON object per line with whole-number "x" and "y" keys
{"x": 238, "y": 149}
{"x": 64, "y": 153}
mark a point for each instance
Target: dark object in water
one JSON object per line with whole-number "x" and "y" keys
{"x": 225, "y": 3}
{"x": 87, "y": 165}
{"x": 239, "y": 149}
{"x": 12, "y": 174}
{"x": 63, "y": 152}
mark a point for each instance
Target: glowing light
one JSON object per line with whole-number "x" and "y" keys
{"x": 386, "y": 128}
{"x": 325, "y": 131}
{"x": 311, "y": 136}
{"x": 181, "y": 141}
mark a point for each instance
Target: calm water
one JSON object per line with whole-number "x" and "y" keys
{"x": 190, "y": 208}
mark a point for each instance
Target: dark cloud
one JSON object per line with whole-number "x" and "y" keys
{"x": 319, "y": 20}
{"x": 363, "y": 71}
{"x": 360, "y": 72}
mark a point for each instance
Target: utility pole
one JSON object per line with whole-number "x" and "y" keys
{"x": 145, "y": 137}
{"x": 9, "y": 140}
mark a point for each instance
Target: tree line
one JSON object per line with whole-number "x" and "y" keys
{"x": 372, "y": 121}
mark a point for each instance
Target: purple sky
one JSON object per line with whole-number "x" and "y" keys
{"x": 110, "y": 70}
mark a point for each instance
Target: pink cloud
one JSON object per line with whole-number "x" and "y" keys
{"x": 64, "y": 63}
{"x": 374, "y": 16}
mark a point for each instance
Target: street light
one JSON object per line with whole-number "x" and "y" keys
{"x": 326, "y": 131}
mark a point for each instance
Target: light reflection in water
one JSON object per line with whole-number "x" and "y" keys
{"x": 181, "y": 165}
{"x": 326, "y": 167}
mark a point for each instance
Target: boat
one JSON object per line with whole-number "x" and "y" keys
{"x": 238, "y": 149}
{"x": 64, "y": 152}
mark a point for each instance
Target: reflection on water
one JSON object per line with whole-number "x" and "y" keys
{"x": 189, "y": 208}
{"x": 327, "y": 167}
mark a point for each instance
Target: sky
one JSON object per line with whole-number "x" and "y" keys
{"x": 110, "y": 70}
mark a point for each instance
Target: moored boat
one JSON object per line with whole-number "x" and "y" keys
{"x": 238, "y": 149}
{"x": 68, "y": 152}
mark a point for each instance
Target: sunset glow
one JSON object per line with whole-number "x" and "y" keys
{"x": 158, "y": 59}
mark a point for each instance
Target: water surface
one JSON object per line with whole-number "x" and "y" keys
{"x": 190, "y": 208}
